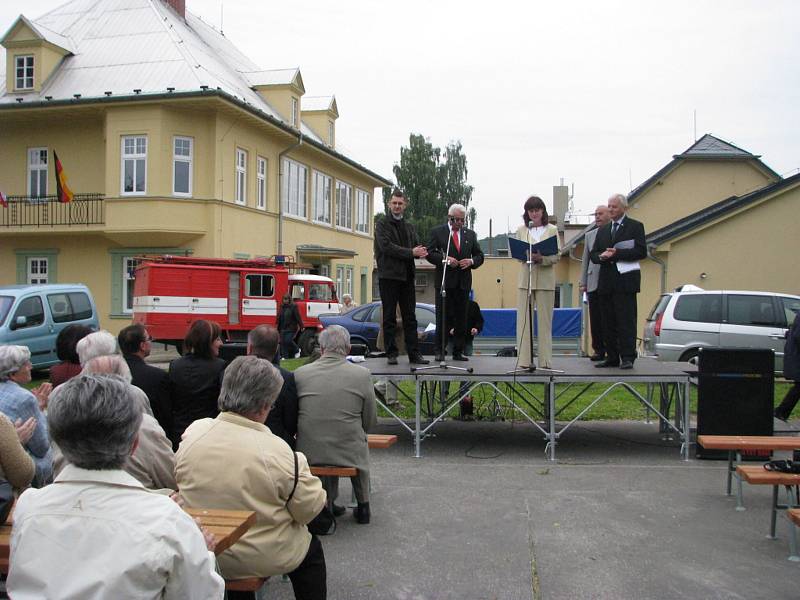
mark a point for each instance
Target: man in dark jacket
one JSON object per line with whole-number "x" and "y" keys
{"x": 396, "y": 247}
{"x": 135, "y": 345}
{"x": 791, "y": 370}
{"x": 460, "y": 248}
{"x": 282, "y": 419}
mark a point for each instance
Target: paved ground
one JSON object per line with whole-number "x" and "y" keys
{"x": 484, "y": 515}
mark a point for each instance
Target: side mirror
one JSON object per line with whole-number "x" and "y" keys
{"x": 20, "y": 322}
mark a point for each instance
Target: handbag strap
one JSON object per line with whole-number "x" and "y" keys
{"x": 294, "y": 487}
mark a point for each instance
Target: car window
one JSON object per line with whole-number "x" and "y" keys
{"x": 424, "y": 317}
{"x": 360, "y": 314}
{"x": 791, "y": 306}
{"x": 81, "y": 306}
{"x": 5, "y": 306}
{"x": 320, "y": 292}
{"x": 751, "y": 310}
{"x": 702, "y": 308}
{"x": 259, "y": 285}
{"x": 33, "y": 311}
{"x": 298, "y": 291}
{"x": 73, "y": 306}
{"x": 376, "y": 315}
{"x": 659, "y": 307}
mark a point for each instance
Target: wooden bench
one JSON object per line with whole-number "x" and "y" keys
{"x": 379, "y": 440}
{"x": 758, "y": 475}
{"x": 794, "y": 518}
{"x": 241, "y": 589}
{"x": 736, "y": 444}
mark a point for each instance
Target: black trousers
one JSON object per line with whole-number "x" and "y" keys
{"x": 596, "y": 323}
{"x": 618, "y": 314}
{"x": 404, "y": 294}
{"x": 455, "y": 312}
{"x": 786, "y": 407}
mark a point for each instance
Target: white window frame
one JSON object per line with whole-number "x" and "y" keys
{"x": 241, "y": 177}
{"x": 261, "y": 183}
{"x": 294, "y": 118}
{"x": 318, "y": 187}
{"x": 26, "y": 63}
{"x": 38, "y": 163}
{"x": 134, "y": 158}
{"x": 344, "y": 210}
{"x": 325, "y": 270}
{"x": 182, "y": 158}
{"x": 38, "y": 277}
{"x": 294, "y": 189}
{"x": 339, "y": 281}
{"x": 348, "y": 280}
{"x": 128, "y": 280}
{"x": 362, "y": 211}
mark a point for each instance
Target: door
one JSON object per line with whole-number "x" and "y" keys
{"x": 32, "y": 329}
{"x": 753, "y": 321}
{"x": 259, "y": 304}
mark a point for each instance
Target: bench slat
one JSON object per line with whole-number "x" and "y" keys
{"x": 758, "y": 475}
{"x": 334, "y": 471}
{"x": 379, "y": 440}
{"x": 749, "y": 442}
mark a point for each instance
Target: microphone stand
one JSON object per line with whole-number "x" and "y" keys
{"x": 444, "y": 331}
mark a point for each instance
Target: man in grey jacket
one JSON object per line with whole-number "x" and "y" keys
{"x": 336, "y": 410}
{"x": 590, "y": 273}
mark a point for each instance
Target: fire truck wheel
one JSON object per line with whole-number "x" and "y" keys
{"x": 307, "y": 341}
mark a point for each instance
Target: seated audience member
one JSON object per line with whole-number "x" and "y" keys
{"x": 17, "y": 403}
{"x": 336, "y": 411}
{"x": 195, "y": 378}
{"x": 97, "y": 533}
{"x": 70, "y": 364}
{"x": 153, "y": 462}
{"x": 98, "y": 343}
{"x": 135, "y": 345}
{"x": 16, "y": 467}
{"x": 282, "y": 419}
{"x": 235, "y": 462}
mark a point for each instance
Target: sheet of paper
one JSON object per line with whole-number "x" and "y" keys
{"x": 626, "y": 266}
{"x": 624, "y": 245}
{"x": 431, "y": 327}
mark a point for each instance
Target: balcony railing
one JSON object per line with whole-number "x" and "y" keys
{"x": 47, "y": 211}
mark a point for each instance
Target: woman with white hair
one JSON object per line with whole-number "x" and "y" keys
{"x": 18, "y": 403}
{"x": 347, "y": 304}
{"x": 99, "y": 343}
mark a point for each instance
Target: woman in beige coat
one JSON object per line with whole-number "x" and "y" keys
{"x": 543, "y": 284}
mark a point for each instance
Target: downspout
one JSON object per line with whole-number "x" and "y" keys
{"x": 281, "y": 175}
{"x": 663, "y": 266}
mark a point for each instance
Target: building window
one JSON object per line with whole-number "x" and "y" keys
{"x": 37, "y": 172}
{"x": 37, "y": 270}
{"x": 24, "y": 72}
{"x": 321, "y": 199}
{"x": 339, "y": 281}
{"x": 330, "y": 134}
{"x": 134, "y": 165}
{"x": 348, "y": 281}
{"x": 344, "y": 281}
{"x": 129, "y": 265}
{"x": 325, "y": 270}
{"x": 344, "y": 205}
{"x": 241, "y": 176}
{"x": 261, "y": 183}
{"x": 362, "y": 211}
{"x": 293, "y": 188}
{"x": 182, "y": 149}
{"x": 295, "y": 121}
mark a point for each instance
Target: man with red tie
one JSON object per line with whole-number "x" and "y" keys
{"x": 464, "y": 255}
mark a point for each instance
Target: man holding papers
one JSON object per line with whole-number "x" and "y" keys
{"x": 618, "y": 248}
{"x": 538, "y": 272}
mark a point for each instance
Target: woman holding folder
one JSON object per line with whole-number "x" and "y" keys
{"x": 543, "y": 284}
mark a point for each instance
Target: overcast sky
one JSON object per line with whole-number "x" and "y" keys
{"x": 601, "y": 94}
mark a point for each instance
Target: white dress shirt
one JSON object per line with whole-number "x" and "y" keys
{"x": 101, "y": 534}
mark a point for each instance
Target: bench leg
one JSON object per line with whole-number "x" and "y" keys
{"x": 739, "y": 492}
{"x": 773, "y": 517}
{"x": 731, "y": 469}
{"x": 793, "y": 543}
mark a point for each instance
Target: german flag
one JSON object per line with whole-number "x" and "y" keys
{"x": 63, "y": 191}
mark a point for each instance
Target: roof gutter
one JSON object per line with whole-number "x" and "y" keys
{"x": 283, "y": 153}
{"x": 660, "y": 263}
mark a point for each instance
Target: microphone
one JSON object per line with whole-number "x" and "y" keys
{"x": 530, "y": 224}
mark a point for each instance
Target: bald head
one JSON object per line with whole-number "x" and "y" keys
{"x": 601, "y": 216}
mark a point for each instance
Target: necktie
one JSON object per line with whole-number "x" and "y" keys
{"x": 455, "y": 242}
{"x": 614, "y": 228}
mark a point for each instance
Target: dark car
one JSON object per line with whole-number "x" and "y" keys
{"x": 364, "y": 322}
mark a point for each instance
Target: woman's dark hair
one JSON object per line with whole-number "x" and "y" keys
{"x": 66, "y": 341}
{"x": 531, "y": 203}
{"x": 200, "y": 336}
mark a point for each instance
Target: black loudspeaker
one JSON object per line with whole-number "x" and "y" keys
{"x": 230, "y": 350}
{"x": 735, "y": 392}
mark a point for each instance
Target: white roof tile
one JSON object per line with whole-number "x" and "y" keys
{"x": 272, "y": 77}
{"x": 317, "y": 102}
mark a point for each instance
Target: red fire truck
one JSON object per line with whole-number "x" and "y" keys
{"x": 170, "y": 292}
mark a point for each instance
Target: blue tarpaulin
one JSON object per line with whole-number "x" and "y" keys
{"x": 502, "y": 322}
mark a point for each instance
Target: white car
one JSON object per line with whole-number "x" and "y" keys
{"x": 682, "y": 322}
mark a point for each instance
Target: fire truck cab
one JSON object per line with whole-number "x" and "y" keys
{"x": 170, "y": 292}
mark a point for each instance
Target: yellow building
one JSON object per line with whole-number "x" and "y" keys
{"x": 715, "y": 216}
{"x": 173, "y": 142}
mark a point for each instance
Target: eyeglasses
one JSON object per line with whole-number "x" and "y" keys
{"x": 457, "y": 219}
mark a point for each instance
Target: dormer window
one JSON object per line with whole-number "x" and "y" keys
{"x": 295, "y": 112}
{"x": 24, "y": 72}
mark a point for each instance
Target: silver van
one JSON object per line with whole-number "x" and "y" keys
{"x": 682, "y": 322}
{"x": 33, "y": 316}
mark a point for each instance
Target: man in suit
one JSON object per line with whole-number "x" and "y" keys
{"x": 618, "y": 247}
{"x": 590, "y": 274}
{"x": 135, "y": 344}
{"x": 282, "y": 419}
{"x": 463, "y": 256}
{"x": 396, "y": 247}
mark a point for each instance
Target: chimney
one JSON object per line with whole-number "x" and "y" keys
{"x": 560, "y": 204}
{"x": 179, "y": 6}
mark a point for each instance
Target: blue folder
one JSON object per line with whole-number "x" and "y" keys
{"x": 519, "y": 249}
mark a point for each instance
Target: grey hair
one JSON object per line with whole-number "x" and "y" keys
{"x": 113, "y": 364}
{"x": 250, "y": 385}
{"x": 456, "y": 208}
{"x": 12, "y": 359}
{"x": 99, "y": 343}
{"x": 346, "y": 296}
{"x": 94, "y": 421}
{"x": 263, "y": 341}
{"x": 623, "y": 199}
{"x": 334, "y": 338}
